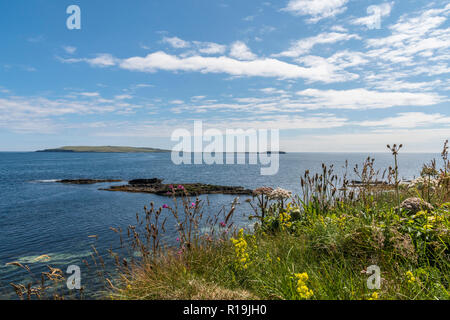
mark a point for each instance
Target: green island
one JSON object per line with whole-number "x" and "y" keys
{"x": 123, "y": 149}
{"x": 106, "y": 149}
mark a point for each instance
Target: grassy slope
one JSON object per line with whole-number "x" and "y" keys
{"x": 334, "y": 246}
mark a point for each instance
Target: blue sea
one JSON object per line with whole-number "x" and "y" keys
{"x": 41, "y": 217}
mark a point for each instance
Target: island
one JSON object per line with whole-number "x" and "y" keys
{"x": 104, "y": 149}
{"x": 116, "y": 149}
{"x": 87, "y": 181}
{"x": 155, "y": 186}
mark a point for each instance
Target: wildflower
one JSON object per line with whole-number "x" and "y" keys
{"x": 374, "y": 296}
{"x": 285, "y": 219}
{"x": 302, "y": 276}
{"x": 180, "y": 187}
{"x": 240, "y": 249}
{"x": 223, "y": 224}
{"x": 422, "y": 183}
{"x": 322, "y": 221}
{"x": 279, "y": 194}
{"x": 193, "y": 205}
{"x": 262, "y": 191}
{"x": 410, "y": 277}
{"x": 165, "y": 206}
{"x": 178, "y": 239}
{"x": 278, "y": 259}
{"x": 302, "y": 289}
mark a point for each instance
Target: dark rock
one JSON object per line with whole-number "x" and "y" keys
{"x": 145, "y": 181}
{"x": 156, "y": 186}
{"x": 87, "y": 181}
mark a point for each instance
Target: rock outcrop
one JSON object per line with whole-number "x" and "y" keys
{"x": 87, "y": 181}
{"x": 156, "y": 186}
{"x": 414, "y": 205}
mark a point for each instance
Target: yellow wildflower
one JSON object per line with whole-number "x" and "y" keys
{"x": 410, "y": 277}
{"x": 303, "y": 291}
{"x": 240, "y": 249}
{"x": 374, "y": 296}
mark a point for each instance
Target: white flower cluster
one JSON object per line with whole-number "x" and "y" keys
{"x": 280, "y": 194}
{"x": 422, "y": 183}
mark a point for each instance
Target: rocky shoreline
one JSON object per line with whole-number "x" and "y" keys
{"x": 155, "y": 186}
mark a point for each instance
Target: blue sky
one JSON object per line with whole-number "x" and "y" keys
{"x": 332, "y": 75}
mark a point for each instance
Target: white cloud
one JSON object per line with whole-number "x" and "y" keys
{"x": 413, "y": 38}
{"x": 40, "y": 114}
{"x": 338, "y": 28}
{"x": 281, "y": 122}
{"x": 390, "y": 84}
{"x": 376, "y": 12}
{"x": 210, "y": 47}
{"x": 272, "y": 91}
{"x": 176, "y": 102}
{"x": 417, "y": 140}
{"x": 196, "y": 98}
{"x": 70, "y": 49}
{"x": 239, "y": 50}
{"x": 89, "y": 94}
{"x": 144, "y": 85}
{"x": 123, "y": 97}
{"x": 409, "y": 120}
{"x": 303, "y": 46}
{"x": 336, "y": 64}
{"x": 360, "y": 99}
{"x": 317, "y": 9}
{"x": 176, "y": 42}
{"x": 261, "y": 67}
{"x": 101, "y": 60}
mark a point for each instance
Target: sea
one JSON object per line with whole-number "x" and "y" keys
{"x": 43, "y": 222}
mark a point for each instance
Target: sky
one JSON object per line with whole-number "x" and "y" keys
{"x": 331, "y": 75}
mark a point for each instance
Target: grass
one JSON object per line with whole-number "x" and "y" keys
{"x": 315, "y": 246}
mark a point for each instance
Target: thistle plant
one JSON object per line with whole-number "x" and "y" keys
{"x": 444, "y": 155}
{"x": 395, "y": 150}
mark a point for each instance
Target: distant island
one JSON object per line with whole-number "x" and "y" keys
{"x": 103, "y": 149}
{"x": 125, "y": 150}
